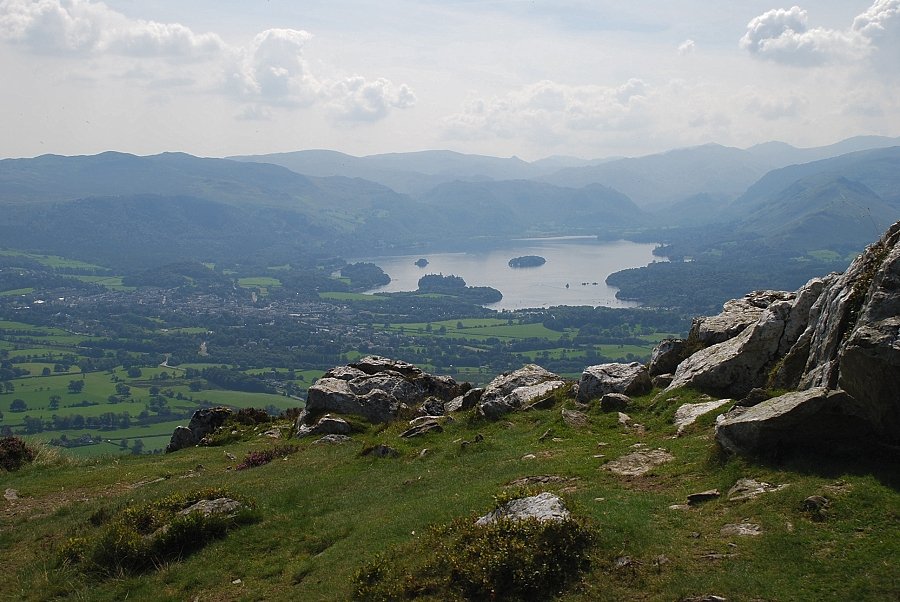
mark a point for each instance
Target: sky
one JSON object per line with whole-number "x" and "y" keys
{"x": 591, "y": 79}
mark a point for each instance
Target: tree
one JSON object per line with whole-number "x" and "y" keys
{"x": 134, "y": 372}
{"x": 18, "y": 405}
{"x": 137, "y": 446}
{"x": 8, "y": 387}
{"x": 45, "y": 371}
{"x": 123, "y": 389}
{"x": 54, "y": 402}
{"x": 75, "y": 386}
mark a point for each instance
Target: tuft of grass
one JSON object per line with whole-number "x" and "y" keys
{"x": 506, "y": 560}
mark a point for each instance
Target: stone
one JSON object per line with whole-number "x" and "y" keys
{"x": 542, "y": 507}
{"x": 222, "y": 506}
{"x": 703, "y": 496}
{"x": 625, "y": 420}
{"x": 747, "y": 489}
{"x": 666, "y": 356}
{"x": 574, "y": 418}
{"x": 464, "y": 402}
{"x": 638, "y": 463}
{"x": 326, "y": 425}
{"x": 432, "y": 407}
{"x": 181, "y": 437}
{"x": 705, "y": 598}
{"x": 420, "y": 419}
{"x": 376, "y": 389}
{"x": 203, "y": 422}
{"x": 815, "y": 503}
{"x": 662, "y": 381}
{"x": 381, "y": 451}
{"x": 734, "y": 367}
{"x": 539, "y": 480}
{"x": 614, "y": 402}
{"x": 735, "y": 317}
{"x": 628, "y": 379}
{"x": 688, "y": 413}
{"x": 10, "y": 495}
{"x": 741, "y": 530}
{"x": 431, "y": 426}
{"x": 515, "y": 390}
{"x": 331, "y": 439}
{"x": 816, "y": 417}
{"x": 754, "y": 397}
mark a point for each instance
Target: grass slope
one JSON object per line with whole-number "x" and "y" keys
{"x": 326, "y": 512}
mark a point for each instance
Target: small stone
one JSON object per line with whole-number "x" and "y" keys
{"x": 557, "y": 440}
{"x": 546, "y": 435}
{"x": 599, "y": 455}
{"x": 703, "y": 496}
{"x": 815, "y": 503}
{"x": 478, "y": 438}
{"x": 625, "y": 419}
{"x": 332, "y": 439}
{"x": 747, "y": 489}
{"x": 679, "y": 507}
{"x": 638, "y": 463}
{"x": 424, "y": 452}
{"x": 741, "y": 530}
{"x": 599, "y": 499}
{"x": 529, "y": 457}
{"x": 11, "y": 495}
{"x": 230, "y": 456}
{"x": 422, "y": 429}
{"x": 381, "y": 451}
{"x": 574, "y": 418}
{"x": 236, "y": 582}
{"x": 614, "y": 402}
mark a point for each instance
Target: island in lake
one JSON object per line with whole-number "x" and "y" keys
{"x": 527, "y": 261}
{"x": 422, "y": 262}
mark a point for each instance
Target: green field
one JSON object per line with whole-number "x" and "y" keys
{"x": 16, "y": 291}
{"x": 480, "y": 329}
{"x": 259, "y": 282}
{"x": 53, "y": 261}
{"x": 336, "y": 296}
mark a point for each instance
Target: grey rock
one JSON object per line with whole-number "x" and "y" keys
{"x": 326, "y": 425}
{"x": 331, "y": 439}
{"x": 466, "y": 401}
{"x": 430, "y": 426}
{"x": 628, "y": 379}
{"x": 515, "y": 390}
{"x": 181, "y": 437}
{"x": 666, "y": 356}
{"x": 754, "y": 397}
{"x": 815, "y": 417}
{"x": 736, "y": 316}
{"x": 747, "y": 489}
{"x": 433, "y": 407}
{"x": 439, "y": 419}
{"x": 222, "y": 506}
{"x": 815, "y": 503}
{"x": 662, "y": 381}
{"x": 614, "y": 402}
{"x": 703, "y": 496}
{"x": 637, "y": 463}
{"x": 203, "y": 422}
{"x": 10, "y": 495}
{"x": 376, "y": 388}
{"x": 381, "y": 451}
{"x": 741, "y": 530}
{"x": 688, "y": 413}
{"x": 574, "y": 418}
{"x": 542, "y": 507}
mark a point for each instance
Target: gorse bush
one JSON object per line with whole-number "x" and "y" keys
{"x": 139, "y": 538}
{"x": 506, "y": 560}
{"x": 258, "y": 458}
{"x": 14, "y": 453}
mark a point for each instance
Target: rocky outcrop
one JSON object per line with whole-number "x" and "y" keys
{"x": 666, "y": 356}
{"x": 203, "y": 422}
{"x": 516, "y": 390}
{"x": 627, "y": 379}
{"x": 376, "y": 389}
{"x": 835, "y": 340}
{"x": 326, "y": 425}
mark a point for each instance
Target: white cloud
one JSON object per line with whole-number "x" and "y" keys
{"x": 773, "y": 108}
{"x": 687, "y": 47}
{"x": 784, "y": 36}
{"x": 270, "y": 72}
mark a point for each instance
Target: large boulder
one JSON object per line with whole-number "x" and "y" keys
{"x": 375, "y": 388}
{"x": 516, "y": 390}
{"x": 736, "y": 316}
{"x": 814, "y": 418}
{"x": 666, "y": 356}
{"x": 203, "y": 422}
{"x": 627, "y": 379}
{"x": 542, "y": 507}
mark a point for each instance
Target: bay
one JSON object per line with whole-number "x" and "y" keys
{"x": 582, "y": 263}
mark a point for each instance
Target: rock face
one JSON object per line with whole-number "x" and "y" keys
{"x": 835, "y": 340}
{"x": 688, "y": 413}
{"x": 542, "y": 507}
{"x": 516, "y": 390}
{"x": 627, "y": 379}
{"x": 375, "y": 388}
{"x": 203, "y": 422}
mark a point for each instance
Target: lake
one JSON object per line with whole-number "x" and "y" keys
{"x": 581, "y": 262}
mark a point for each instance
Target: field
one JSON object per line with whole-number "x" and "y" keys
{"x": 327, "y": 512}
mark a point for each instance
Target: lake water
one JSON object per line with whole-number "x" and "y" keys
{"x": 582, "y": 263}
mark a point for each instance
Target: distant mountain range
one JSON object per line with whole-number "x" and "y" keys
{"x": 122, "y": 209}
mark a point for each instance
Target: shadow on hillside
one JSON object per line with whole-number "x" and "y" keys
{"x": 880, "y": 461}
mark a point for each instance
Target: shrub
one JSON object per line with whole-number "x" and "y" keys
{"x": 506, "y": 560}
{"x": 14, "y": 453}
{"x": 251, "y": 416}
{"x": 258, "y": 458}
{"x": 139, "y": 538}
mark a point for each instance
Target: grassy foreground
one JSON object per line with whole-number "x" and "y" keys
{"x": 325, "y": 512}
